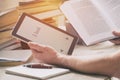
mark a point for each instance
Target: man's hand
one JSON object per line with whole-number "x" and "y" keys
{"x": 116, "y": 40}
{"x": 43, "y": 53}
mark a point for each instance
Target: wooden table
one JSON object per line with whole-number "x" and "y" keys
{"x": 102, "y": 48}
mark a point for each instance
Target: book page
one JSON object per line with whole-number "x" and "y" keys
{"x": 111, "y": 9}
{"x": 88, "y": 21}
{"x": 88, "y": 15}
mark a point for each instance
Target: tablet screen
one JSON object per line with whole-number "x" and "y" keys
{"x": 29, "y": 28}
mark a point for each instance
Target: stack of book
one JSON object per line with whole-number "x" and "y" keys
{"x": 38, "y": 7}
{"x": 46, "y": 10}
{"x": 7, "y": 42}
{"x": 8, "y": 18}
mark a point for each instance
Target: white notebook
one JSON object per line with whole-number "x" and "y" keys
{"x": 36, "y": 73}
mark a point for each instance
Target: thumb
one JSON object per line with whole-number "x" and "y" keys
{"x": 116, "y": 33}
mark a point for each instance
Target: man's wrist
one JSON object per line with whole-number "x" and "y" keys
{"x": 62, "y": 60}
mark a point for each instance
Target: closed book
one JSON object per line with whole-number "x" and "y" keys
{"x": 9, "y": 18}
{"x": 39, "y": 9}
{"x": 32, "y": 5}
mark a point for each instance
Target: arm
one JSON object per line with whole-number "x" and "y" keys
{"x": 100, "y": 64}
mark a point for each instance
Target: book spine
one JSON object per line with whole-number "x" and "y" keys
{"x": 22, "y": 3}
{"x": 32, "y": 5}
{"x": 36, "y": 10}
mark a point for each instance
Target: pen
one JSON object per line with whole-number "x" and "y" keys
{"x": 38, "y": 65}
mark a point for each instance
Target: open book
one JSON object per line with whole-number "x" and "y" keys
{"x": 94, "y": 20}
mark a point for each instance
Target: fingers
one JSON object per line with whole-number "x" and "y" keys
{"x": 116, "y": 33}
{"x": 115, "y": 41}
{"x": 36, "y": 47}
